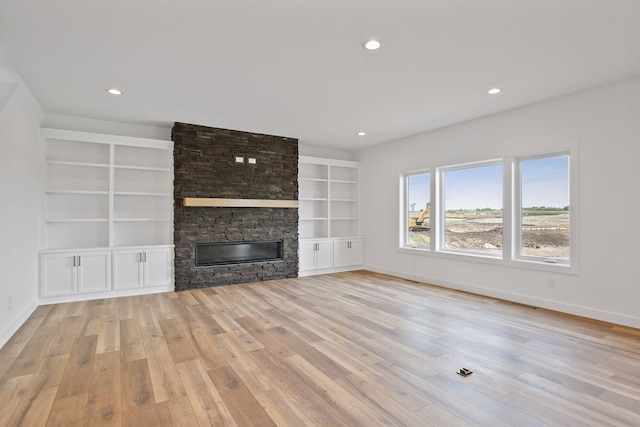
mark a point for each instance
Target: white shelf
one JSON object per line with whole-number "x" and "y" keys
{"x": 105, "y": 191}
{"x": 143, "y": 168}
{"x": 328, "y": 192}
{"x": 96, "y": 203}
{"x": 141, "y": 233}
{"x": 136, "y": 181}
{"x": 142, "y": 219}
{"x": 313, "y": 179}
{"x": 80, "y": 164}
{"x": 149, "y": 157}
{"x": 78, "y": 234}
{"x": 76, "y": 219}
{"x": 76, "y": 177}
{"x": 62, "y": 148}
{"x": 57, "y": 191}
{"x": 140, "y": 193}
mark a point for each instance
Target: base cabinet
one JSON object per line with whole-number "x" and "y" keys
{"x": 141, "y": 268}
{"x": 315, "y": 255}
{"x": 75, "y": 273}
{"x": 69, "y": 273}
{"x": 319, "y": 256}
{"x": 158, "y": 267}
{"x": 348, "y": 252}
{"x": 127, "y": 269}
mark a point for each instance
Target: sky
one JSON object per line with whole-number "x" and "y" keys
{"x": 473, "y": 188}
{"x": 419, "y": 190}
{"x": 544, "y": 183}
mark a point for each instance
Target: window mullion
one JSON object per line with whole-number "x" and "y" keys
{"x": 509, "y": 221}
{"x": 404, "y": 210}
{"x": 437, "y": 186}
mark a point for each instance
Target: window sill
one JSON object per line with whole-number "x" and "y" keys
{"x": 492, "y": 260}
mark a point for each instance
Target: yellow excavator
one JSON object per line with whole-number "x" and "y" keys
{"x": 417, "y": 224}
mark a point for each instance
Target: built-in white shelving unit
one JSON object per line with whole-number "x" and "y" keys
{"x": 328, "y": 214}
{"x": 328, "y": 196}
{"x": 102, "y": 192}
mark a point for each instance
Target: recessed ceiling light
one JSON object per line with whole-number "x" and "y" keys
{"x": 114, "y": 91}
{"x": 494, "y": 91}
{"x": 361, "y": 133}
{"x": 372, "y": 45}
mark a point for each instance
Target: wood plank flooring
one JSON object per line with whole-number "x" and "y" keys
{"x": 349, "y": 349}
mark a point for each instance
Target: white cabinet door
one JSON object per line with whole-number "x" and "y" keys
{"x": 356, "y": 252}
{"x": 73, "y": 273}
{"x": 94, "y": 274}
{"x": 315, "y": 255}
{"x": 58, "y": 274}
{"x": 348, "y": 252}
{"x": 135, "y": 268}
{"x": 127, "y": 269}
{"x": 307, "y": 256}
{"x": 157, "y": 266}
{"x": 340, "y": 253}
{"x": 324, "y": 255}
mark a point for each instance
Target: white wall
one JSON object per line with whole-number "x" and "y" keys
{"x": 605, "y": 124}
{"x": 20, "y": 117}
{"x": 308, "y": 150}
{"x": 57, "y": 121}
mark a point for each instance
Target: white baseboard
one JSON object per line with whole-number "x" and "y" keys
{"x": 591, "y": 313}
{"x": 107, "y": 294}
{"x": 8, "y": 332}
{"x": 329, "y": 270}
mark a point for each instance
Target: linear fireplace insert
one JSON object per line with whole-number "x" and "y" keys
{"x": 238, "y": 252}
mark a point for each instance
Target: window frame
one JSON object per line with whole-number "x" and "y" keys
{"x": 404, "y": 210}
{"x": 440, "y": 198}
{"x": 516, "y": 254}
{"x": 512, "y": 218}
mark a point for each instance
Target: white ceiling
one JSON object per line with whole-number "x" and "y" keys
{"x": 297, "y": 68}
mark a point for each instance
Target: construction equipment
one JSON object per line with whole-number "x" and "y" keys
{"x": 417, "y": 224}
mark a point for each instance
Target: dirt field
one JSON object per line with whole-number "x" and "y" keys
{"x": 545, "y": 235}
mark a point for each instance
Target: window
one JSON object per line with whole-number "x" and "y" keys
{"x": 473, "y": 209}
{"x": 418, "y": 199}
{"x": 543, "y": 215}
{"x": 517, "y": 211}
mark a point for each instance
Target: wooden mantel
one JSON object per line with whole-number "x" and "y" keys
{"x": 210, "y": 202}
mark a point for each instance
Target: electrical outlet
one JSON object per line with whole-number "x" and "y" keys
{"x": 551, "y": 283}
{"x": 10, "y": 303}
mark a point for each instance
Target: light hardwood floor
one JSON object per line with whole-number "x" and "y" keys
{"x": 353, "y": 349}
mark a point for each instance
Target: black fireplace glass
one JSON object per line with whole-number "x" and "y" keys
{"x": 221, "y": 253}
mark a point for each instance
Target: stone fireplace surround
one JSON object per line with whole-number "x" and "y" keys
{"x": 205, "y": 166}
